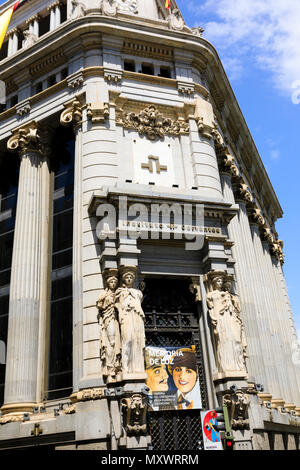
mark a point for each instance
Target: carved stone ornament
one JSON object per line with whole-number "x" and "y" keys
{"x": 131, "y": 319}
{"x": 242, "y": 192}
{"x": 121, "y": 320}
{"x": 11, "y": 419}
{"x": 72, "y": 114}
{"x": 197, "y": 31}
{"x": 210, "y": 131}
{"x": 255, "y": 215}
{"x": 78, "y": 10}
{"x": 195, "y": 289}
{"x": 238, "y": 404}
{"x": 152, "y": 123}
{"x": 276, "y": 250}
{"x": 97, "y": 112}
{"x": 227, "y": 164}
{"x": 134, "y": 410}
{"x": 88, "y": 394}
{"x": 127, "y": 6}
{"x": 175, "y": 20}
{"x": 228, "y": 332}
{"x": 266, "y": 234}
{"x": 29, "y": 39}
{"x": 109, "y": 7}
{"x": 110, "y": 339}
{"x": 29, "y": 138}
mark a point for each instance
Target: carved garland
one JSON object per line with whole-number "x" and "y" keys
{"x": 152, "y": 123}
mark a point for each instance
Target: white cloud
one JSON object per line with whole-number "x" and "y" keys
{"x": 266, "y": 32}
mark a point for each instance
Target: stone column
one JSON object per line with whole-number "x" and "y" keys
{"x": 28, "y": 283}
{"x": 247, "y": 286}
{"x": 73, "y": 116}
{"x": 266, "y": 315}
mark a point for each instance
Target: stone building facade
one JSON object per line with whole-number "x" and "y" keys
{"x": 114, "y": 107}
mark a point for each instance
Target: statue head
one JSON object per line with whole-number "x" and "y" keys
{"x": 217, "y": 282}
{"x": 111, "y": 278}
{"x": 128, "y": 274}
{"x": 227, "y": 284}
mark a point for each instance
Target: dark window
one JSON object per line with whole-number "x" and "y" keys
{"x": 51, "y": 80}
{"x": 4, "y": 50}
{"x": 9, "y": 175}
{"x": 63, "y": 12}
{"x": 147, "y": 69}
{"x": 165, "y": 72}
{"x": 64, "y": 73}
{"x": 39, "y": 87}
{"x": 129, "y": 65}
{"x": 13, "y": 100}
{"x": 44, "y": 25}
{"x": 60, "y": 351}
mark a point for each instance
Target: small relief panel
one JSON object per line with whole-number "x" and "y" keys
{"x": 153, "y": 163}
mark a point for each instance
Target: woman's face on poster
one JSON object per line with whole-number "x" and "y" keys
{"x": 184, "y": 378}
{"x": 157, "y": 378}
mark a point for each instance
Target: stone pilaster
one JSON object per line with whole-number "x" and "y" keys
{"x": 29, "y": 281}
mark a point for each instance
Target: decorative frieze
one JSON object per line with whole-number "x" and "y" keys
{"x": 152, "y": 123}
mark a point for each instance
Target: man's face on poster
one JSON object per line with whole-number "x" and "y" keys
{"x": 184, "y": 378}
{"x": 157, "y": 378}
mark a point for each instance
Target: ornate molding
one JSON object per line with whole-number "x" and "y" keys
{"x": 255, "y": 215}
{"x": 30, "y": 138}
{"x": 72, "y": 114}
{"x": 97, "y": 112}
{"x": 87, "y": 395}
{"x": 134, "y": 409}
{"x": 152, "y": 123}
{"x": 23, "y": 108}
{"x": 11, "y": 419}
{"x": 76, "y": 80}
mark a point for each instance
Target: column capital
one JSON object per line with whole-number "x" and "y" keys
{"x": 255, "y": 215}
{"x": 29, "y": 138}
{"x": 72, "y": 113}
{"x": 227, "y": 163}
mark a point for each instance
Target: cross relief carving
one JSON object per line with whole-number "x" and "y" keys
{"x": 153, "y": 160}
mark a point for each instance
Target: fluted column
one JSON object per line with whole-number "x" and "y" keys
{"x": 268, "y": 339}
{"x": 239, "y": 232}
{"x": 28, "y": 282}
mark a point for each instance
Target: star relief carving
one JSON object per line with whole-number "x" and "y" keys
{"x": 125, "y": 6}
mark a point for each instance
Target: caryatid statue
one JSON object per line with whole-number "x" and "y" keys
{"x": 224, "y": 311}
{"x": 131, "y": 319}
{"x": 110, "y": 342}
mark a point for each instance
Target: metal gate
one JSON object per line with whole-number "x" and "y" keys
{"x": 172, "y": 320}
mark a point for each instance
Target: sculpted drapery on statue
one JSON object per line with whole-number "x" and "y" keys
{"x": 131, "y": 318}
{"x": 121, "y": 320}
{"x": 229, "y": 338}
{"x": 110, "y": 341}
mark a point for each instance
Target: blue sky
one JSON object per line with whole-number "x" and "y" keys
{"x": 258, "y": 43}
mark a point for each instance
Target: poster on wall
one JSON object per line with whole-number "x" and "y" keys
{"x": 172, "y": 378}
{"x": 211, "y": 436}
